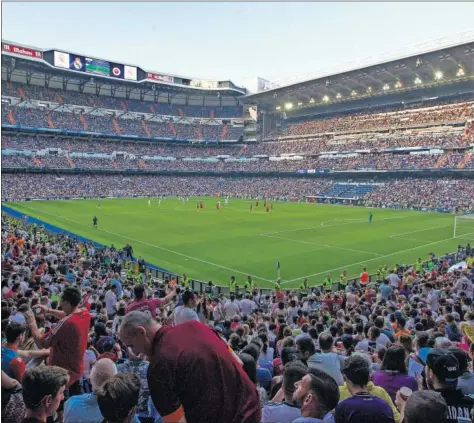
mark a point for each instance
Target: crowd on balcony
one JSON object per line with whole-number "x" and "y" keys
{"x": 366, "y": 161}
{"x": 370, "y": 121}
{"x": 44, "y": 118}
{"x": 36, "y": 92}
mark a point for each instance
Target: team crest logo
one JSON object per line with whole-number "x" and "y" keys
{"x": 116, "y": 71}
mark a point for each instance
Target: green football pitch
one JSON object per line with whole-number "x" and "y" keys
{"x": 309, "y": 240}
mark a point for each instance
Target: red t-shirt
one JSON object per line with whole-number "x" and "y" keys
{"x": 146, "y": 306}
{"x": 364, "y": 278}
{"x": 68, "y": 342}
{"x": 333, "y": 305}
{"x": 191, "y": 367}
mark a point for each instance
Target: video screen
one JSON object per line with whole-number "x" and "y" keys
{"x": 97, "y": 67}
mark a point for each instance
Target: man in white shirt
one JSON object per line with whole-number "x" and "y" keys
{"x": 431, "y": 297}
{"x": 185, "y": 312}
{"x": 393, "y": 280}
{"x": 463, "y": 284}
{"x": 231, "y": 308}
{"x": 287, "y": 410}
{"x": 247, "y": 306}
{"x": 111, "y": 302}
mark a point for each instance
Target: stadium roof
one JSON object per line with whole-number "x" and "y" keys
{"x": 24, "y": 62}
{"x": 440, "y": 66}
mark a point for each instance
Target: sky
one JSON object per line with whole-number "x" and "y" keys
{"x": 233, "y": 41}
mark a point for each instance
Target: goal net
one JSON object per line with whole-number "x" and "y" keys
{"x": 464, "y": 227}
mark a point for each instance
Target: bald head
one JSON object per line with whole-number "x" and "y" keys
{"x": 103, "y": 370}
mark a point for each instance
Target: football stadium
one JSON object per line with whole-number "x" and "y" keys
{"x": 181, "y": 249}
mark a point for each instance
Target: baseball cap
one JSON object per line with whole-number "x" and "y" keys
{"x": 443, "y": 364}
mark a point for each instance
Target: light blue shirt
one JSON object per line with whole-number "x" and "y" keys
{"x": 385, "y": 290}
{"x": 85, "y": 409}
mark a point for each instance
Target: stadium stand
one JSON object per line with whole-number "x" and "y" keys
{"x": 401, "y": 341}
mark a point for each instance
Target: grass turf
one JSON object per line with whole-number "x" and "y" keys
{"x": 309, "y": 240}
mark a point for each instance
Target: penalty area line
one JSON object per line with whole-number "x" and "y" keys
{"x": 322, "y": 245}
{"x": 155, "y": 246}
{"x": 366, "y": 261}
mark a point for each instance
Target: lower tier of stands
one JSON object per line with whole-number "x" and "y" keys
{"x": 433, "y": 194}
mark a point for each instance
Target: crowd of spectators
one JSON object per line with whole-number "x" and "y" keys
{"x": 44, "y": 118}
{"x": 36, "y": 92}
{"x": 89, "y": 337}
{"x": 425, "y": 193}
{"x": 20, "y": 186}
{"x": 451, "y": 113}
{"x": 409, "y": 193}
{"x": 366, "y": 161}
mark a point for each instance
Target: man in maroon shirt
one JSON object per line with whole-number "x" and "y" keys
{"x": 193, "y": 376}
{"x": 145, "y": 305}
{"x": 68, "y": 339}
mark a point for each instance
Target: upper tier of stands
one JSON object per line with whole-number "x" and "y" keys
{"x": 42, "y": 118}
{"x": 36, "y": 92}
{"x": 460, "y": 111}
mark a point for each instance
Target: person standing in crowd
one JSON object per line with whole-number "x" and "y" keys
{"x": 361, "y": 407}
{"x": 182, "y": 363}
{"x": 111, "y": 302}
{"x": 149, "y": 306}
{"x": 317, "y": 395}
{"x": 43, "y": 391}
{"x": 393, "y": 373}
{"x": 327, "y": 360}
{"x": 68, "y": 339}
{"x": 185, "y": 312}
{"x": 442, "y": 372}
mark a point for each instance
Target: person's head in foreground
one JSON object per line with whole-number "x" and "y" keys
{"x": 316, "y": 394}
{"x": 137, "y": 331}
{"x": 356, "y": 373}
{"x": 442, "y": 369}
{"x": 118, "y": 398}
{"x": 424, "y": 407}
{"x": 43, "y": 391}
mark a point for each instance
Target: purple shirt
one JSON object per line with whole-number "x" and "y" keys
{"x": 363, "y": 408}
{"x": 392, "y": 382}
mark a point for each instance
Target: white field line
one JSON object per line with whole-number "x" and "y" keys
{"x": 155, "y": 246}
{"x": 419, "y": 230}
{"x": 366, "y": 261}
{"x": 322, "y": 245}
{"x": 321, "y": 226}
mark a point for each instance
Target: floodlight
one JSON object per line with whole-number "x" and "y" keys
{"x": 353, "y": 93}
{"x": 460, "y": 72}
{"x": 438, "y": 75}
{"x": 325, "y": 98}
{"x": 278, "y": 107}
{"x": 398, "y": 84}
{"x": 311, "y": 101}
{"x": 369, "y": 89}
{"x": 418, "y": 80}
{"x": 386, "y": 87}
{"x": 288, "y": 106}
{"x": 338, "y": 95}
{"x": 300, "y": 103}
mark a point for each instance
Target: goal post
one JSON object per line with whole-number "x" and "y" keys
{"x": 464, "y": 227}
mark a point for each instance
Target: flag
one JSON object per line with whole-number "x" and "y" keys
{"x": 278, "y": 264}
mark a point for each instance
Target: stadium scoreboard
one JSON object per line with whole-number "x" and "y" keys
{"x": 93, "y": 66}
